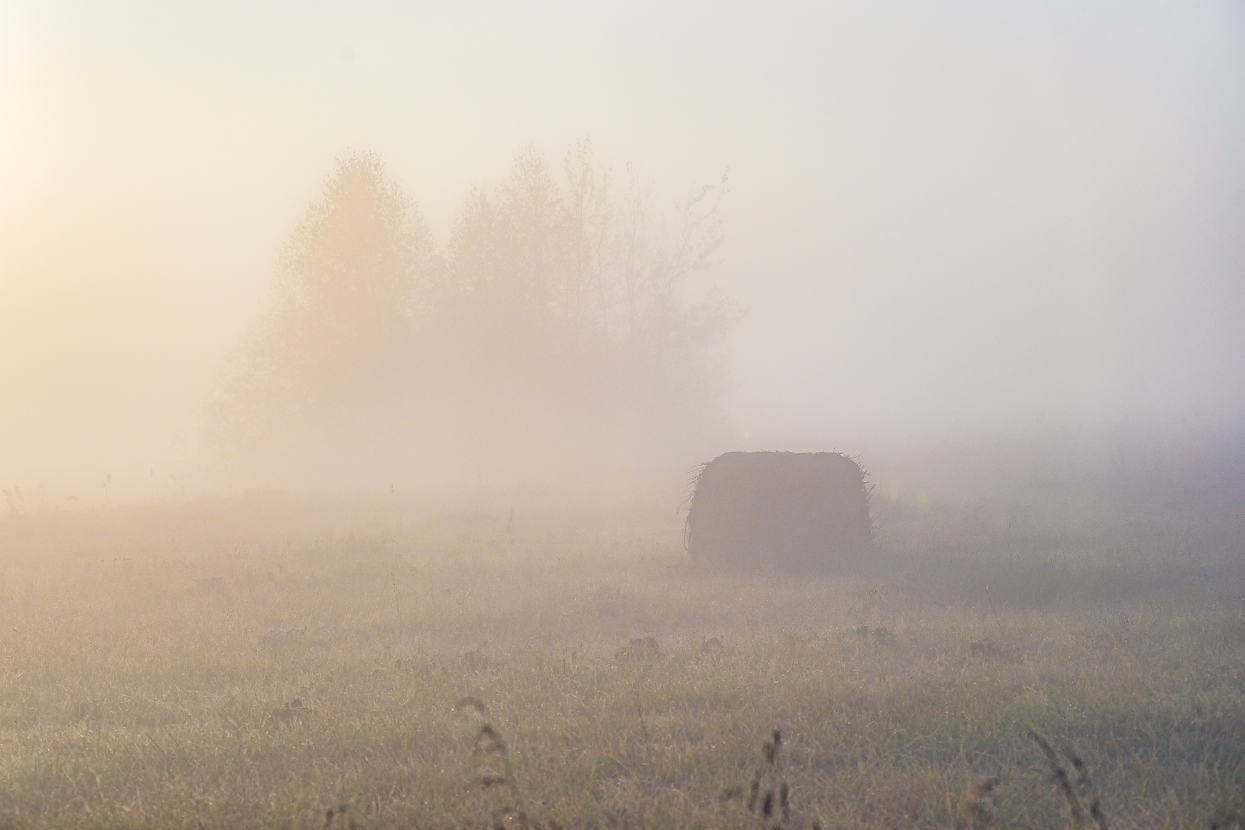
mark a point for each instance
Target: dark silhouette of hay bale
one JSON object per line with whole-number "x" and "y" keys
{"x": 787, "y": 511}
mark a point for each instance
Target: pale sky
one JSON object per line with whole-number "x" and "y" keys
{"x": 945, "y": 219}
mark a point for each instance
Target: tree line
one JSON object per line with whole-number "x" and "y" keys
{"x": 554, "y": 334}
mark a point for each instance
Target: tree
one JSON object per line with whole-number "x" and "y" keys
{"x": 324, "y": 372}
{"x": 555, "y": 334}
{"x": 585, "y": 298}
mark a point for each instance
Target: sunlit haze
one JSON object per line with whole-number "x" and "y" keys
{"x": 944, "y": 221}
{"x": 615, "y": 415}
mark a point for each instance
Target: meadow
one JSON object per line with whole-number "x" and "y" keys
{"x": 303, "y": 663}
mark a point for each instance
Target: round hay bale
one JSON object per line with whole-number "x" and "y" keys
{"x": 781, "y": 510}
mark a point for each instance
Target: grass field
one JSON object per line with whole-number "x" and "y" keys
{"x": 229, "y": 664}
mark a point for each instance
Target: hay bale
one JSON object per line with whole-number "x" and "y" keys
{"x": 782, "y": 510}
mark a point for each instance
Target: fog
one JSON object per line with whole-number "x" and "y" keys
{"x": 950, "y": 225}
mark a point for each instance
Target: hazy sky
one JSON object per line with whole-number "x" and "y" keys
{"x": 945, "y": 218}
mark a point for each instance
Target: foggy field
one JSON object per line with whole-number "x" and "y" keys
{"x": 355, "y": 359}
{"x": 234, "y": 664}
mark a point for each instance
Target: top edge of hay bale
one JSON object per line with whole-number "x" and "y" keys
{"x": 781, "y": 510}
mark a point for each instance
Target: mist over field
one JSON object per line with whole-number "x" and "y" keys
{"x": 361, "y": 367}
{"x": 970, "y": 222}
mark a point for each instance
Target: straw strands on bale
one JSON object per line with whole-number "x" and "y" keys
{"x": 782, "y": 510}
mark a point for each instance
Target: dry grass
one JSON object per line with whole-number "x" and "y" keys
{"x": 486, "y": 671}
